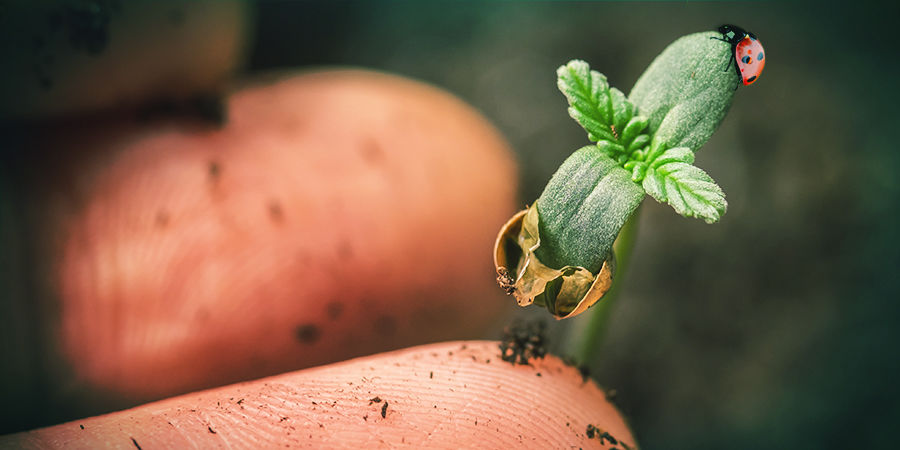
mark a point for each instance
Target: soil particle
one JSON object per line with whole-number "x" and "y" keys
{"x": 604, "y": 436}
{"x": 214, "y": 169}
{"x": 276, "y": 214}
{"x": 210, "y": 428}
{"x": 82, "y": 426}
{"x": 523, "y": 341}
{"x": 384, "y": 410}
{"x": 308, "y": 333}
{"x": 506, "y": 282}
{"x": 375, "y": 400}
{"x": 133, "y": 441}
{"x": 583, "y": 369}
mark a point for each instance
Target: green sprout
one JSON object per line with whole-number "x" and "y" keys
{"x": 560, "y": 252}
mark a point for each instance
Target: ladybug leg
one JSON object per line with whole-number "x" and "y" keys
{"x": 732, "y": 60}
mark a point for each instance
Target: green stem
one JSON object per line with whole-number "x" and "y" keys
{"x": 588, "y": 335}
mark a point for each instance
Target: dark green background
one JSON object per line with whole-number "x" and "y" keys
{"x": 776, "y": 328}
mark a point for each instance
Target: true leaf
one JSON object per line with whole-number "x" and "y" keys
{"x": 604, "y": 112}
{"x": 688, "y": 189}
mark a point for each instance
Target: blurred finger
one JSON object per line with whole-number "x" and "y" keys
{"x": 336, "y": 214}
{"x": 66, "y": 57}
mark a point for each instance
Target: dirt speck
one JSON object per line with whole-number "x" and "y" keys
{"x": 384, "y": 410}
{"x": 583, "y": 369}
{"x": 210, "y": 428}
{"x": 214, "y": 170}
{"x": 81, "y": 426}
{"x": 308, "y": 333}
{"x": 506, "y": 282}
{"x": 523, "y": 341}
{"x": 276, "y": 214}
{"x": 375, "y": 400}
{"x": 134, "y": 441}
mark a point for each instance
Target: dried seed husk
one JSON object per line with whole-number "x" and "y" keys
{"x": 565, "y": 292}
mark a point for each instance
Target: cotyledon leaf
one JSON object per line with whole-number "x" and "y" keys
{"x": 687, "y": 90}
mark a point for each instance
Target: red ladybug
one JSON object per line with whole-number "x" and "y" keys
{"x": 746, "y": 52}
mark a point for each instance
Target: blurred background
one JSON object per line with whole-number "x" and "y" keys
{"x": 776, "y": 327}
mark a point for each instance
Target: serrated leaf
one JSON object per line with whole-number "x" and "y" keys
{"x": 604, "y": 112}
{"x": 638, "y": 169}
{"x": 688, "y": 189}
{"x": 678, "y": 154}
{"x": 653, "y": 185}
{"x": 622, "y": 109}
{"x": 588, "y": 94}
{"x": 633, "y": 128}
{"x": 611, "y": 148}
{"x": 638, "y": 143}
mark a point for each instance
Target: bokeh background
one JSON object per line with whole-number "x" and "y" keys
{"x": 775, "y": 328}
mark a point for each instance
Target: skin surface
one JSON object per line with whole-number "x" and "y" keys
{"x": 336, "y": 214}
{"x": 449, "y": 395}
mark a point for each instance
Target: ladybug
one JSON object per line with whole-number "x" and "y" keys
{"x": 746, "y": 52}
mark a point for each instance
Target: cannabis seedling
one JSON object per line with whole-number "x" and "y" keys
{"x": 559, "y": 252}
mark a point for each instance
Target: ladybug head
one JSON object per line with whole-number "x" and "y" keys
{"x": 731, "y": 32}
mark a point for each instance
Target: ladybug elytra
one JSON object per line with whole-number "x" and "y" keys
{"x": 746, "y": 52}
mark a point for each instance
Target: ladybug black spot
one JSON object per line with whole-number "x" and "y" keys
{"x": 745, "y": 60}
{"x": 751, "y": 78}
{"x": 760, "y": 56}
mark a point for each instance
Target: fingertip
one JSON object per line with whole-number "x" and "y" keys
{"x": 457, "y": 394}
